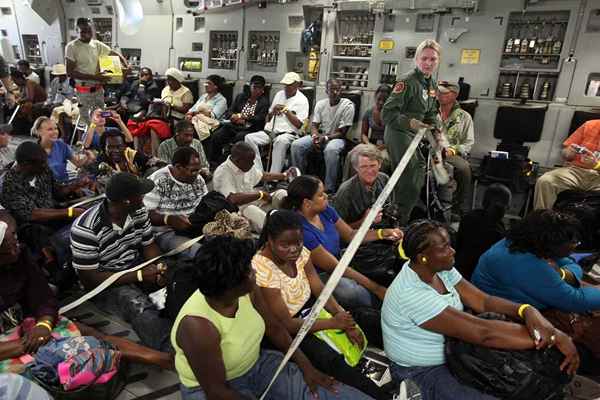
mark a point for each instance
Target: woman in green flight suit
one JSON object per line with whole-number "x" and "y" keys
{"x": 411, "y": 106}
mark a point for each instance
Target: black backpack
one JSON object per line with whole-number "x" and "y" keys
{"x": 507, "y": 374}
{"x": 205, "y": 212}
{"x": 181, "y": 278}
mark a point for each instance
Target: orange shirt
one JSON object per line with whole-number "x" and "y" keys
{"x": 587, "y": 135}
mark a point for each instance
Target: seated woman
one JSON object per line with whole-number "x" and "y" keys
{"x": 372, "y": 128}
{"x": 288, "y": 281}
{"x": 212, "y": 103}
{"x": 29, "y": 310}
{"x": 425, "y": 303}
{"x": 58, "y": 151}
{"x": 532, "y": 265}
{"x": 97, "y": 127}
{"x": 218, "y": 332}
{"x": 480, "y": 229}
{"x": 247, "y": 114}
{"x": 322, "y": 229}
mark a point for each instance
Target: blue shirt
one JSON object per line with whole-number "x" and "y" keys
{"x": 57, "y": 160}
{"x": 218, "y": 103}
{"x": 329, "y": 237}
{"x": 409, "y": 303}
{"x": 525, "y": 278}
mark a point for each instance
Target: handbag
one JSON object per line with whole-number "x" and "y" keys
{"x": 339, "y": 341}
{"x": 159, "y": 110}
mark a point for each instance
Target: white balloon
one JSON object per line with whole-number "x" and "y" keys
{"x": 131, "y": 15}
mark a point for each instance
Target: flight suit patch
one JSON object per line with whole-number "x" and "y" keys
{"x": 399, "y": 87}
{"x": 425, "y": 94}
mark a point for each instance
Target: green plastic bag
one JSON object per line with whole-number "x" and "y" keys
{"x": 339, "y": 341}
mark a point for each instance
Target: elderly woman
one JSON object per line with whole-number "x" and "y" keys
{"x": 426, "y": 302}
{"x": 218, "y": 333}
{"x": 177, "y": 95}
{"x": 411, "y": 106}
{"x": 532, "y": 265}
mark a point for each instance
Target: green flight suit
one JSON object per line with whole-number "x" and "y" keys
{"x": 413, "y": 96}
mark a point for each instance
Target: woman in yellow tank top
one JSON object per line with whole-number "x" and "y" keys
{"x": 218, "y": 332}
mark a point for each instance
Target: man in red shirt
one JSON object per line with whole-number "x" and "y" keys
{"x": 581, "y": 151}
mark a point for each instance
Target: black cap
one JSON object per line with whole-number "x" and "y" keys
{"x": 124, "y": 185}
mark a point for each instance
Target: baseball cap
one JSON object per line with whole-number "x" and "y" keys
{"x": 447, "y": 86}
{"x": 124, "y": 185}
{"x": 290, "y": 77}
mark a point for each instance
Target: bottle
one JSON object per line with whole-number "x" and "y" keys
{"x": 509, "y": 42}
{"x": 524, "y": 90}
{"x": 524, "y": 43}
{"x": 533, "y": 40}
{"x": 557, "y": 45}
{"x": 506, "y": 90}
{"x": 517, "y": 43}
{"x": 545, "y": 92}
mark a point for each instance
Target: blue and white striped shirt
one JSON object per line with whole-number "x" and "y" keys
{"x": 410, "y": 302}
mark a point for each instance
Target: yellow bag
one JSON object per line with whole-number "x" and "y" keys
{"x": 111, "y": 66}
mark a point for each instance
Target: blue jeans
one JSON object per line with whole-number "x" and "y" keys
{"x": 437, "y": 383}
{"x": 130, "y": 303}
{"x": 350, "y": 294}
{"x": 331, "y": 153}
{"x": 289, "y": 384}
{"x": 169, "y": 240}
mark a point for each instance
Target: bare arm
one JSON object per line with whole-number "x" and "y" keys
{"x": 347, "y": 233}
{"x": 239, "y": 199}
{"x": 364, "y": 131}
{"x": 201, "y": 344}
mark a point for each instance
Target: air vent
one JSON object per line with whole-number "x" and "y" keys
{"x": 94, "y": 2}
{"x": 109, "y": 10}
{"x": 197, "y": 46}
{"x": 199, "y": 24}
{"x": 179, "y": 24}
{"x": 5, "y": 11}
{"x": 95, "y": 10}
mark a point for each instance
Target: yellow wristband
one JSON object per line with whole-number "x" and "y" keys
{"x": 563, "y": 274}
{"x": 380, "y": 234}
{"x": 166, "y": 219}
{"x": 45, "y": 325}
{"x": 522, "y": 310}
{"x": 140, "y": 277}
{"x": 70, "y": 212}
{"x": 597, "y": 166}
{"x": 261, "y": 195}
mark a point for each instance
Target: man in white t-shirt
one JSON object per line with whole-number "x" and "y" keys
{"x": 237, "y": 178}
{"x": 288, "y": 111}
{"x": 332, "y": 118}
{"x": 82, "y": 56}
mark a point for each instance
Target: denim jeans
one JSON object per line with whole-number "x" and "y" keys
{"x": 130, "y": 303}
{"x": 437, "y": 383}
{"x": 289, "y": 385}
{"x": 333, "y": 150}
{"x": 350, "y": 294}
{"x": 169, "y": 240}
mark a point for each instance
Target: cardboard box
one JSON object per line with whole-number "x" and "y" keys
{"x": 111, "y": 66}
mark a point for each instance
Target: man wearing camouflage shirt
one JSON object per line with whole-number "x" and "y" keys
{"x": 457, "y": 125}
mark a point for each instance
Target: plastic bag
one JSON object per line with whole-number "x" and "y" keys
{"x": 507, "y": 374}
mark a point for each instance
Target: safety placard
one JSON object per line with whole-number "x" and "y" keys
{"x": 470, "y": 56}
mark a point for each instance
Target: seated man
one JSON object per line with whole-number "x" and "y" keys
{"x": 31, "y": 99}
{"x": 140, "y": 93}
{"x": 457, "y": 124}
{"x": 355, "y": 196}
{"x": 331, "y": 120}
{"x": 184, "y": 137}
{"x": 288, "y": 111}
{"x": 24, "y": 67}
{"x": 236, "y": 179}
{"x": 59, "y": 90}
{"x": 116, "y": 235}
{"x": 580, "y": 151}
{"x": 30, "y": 194}
{"x": 178, "y": 189}
{"x": 117, "y": 157}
